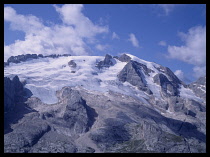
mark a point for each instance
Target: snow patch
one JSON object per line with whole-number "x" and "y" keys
{"x": 188, "y": 93}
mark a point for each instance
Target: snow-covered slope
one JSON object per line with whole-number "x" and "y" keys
{"x": 44, "y": 76}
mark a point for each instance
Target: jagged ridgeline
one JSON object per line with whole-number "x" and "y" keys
{"x": 87, "y": 104}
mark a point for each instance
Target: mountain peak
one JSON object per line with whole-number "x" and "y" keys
{"x": 101, "y": 104}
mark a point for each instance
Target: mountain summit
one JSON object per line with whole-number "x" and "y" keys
{"x": 64, "y": 103}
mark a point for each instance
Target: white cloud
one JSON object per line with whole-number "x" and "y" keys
{"x": 71, "y": 14}
{"x": 133, "y": 40}
{"x": 199, "y": 71}
{"x": 167, "y": 8}
{"x": 194, "y": 49}
{"x": 27, "y": 24}
{"x": 115, "y": 36}
{"x": 179, "y": 74}
{"x": 101, "y": 47}
{"x": 162, "y": 43}
{"x": 67, "y": 37}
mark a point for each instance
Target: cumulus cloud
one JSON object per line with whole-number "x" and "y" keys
{"x": 67, "y": 37}
{"x": 27, "y": 24}
{"x": 194, "y": 49}
{"x": 162, "y": 43}
{"x": 101, "y": 47}
{"x": 133, "y": 40}
{"x": 115, "y": 36}
{"x": 199, "y": 71}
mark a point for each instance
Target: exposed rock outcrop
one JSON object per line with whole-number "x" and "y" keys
{"x": 199, "y": 87}
{"x": 107, "y": 62}
{"x": 21, "y": 58}
{"x": 72, "y": 64}
{"x": 26, "y": 57}
{"x": 13, "y": 93}
{"x": 168, "y": 88}
{"x": 77, "y": 115}
{"x": 133, "y": 73}
{"x": 124, "y": 58}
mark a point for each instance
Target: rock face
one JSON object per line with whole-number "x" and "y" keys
{"x": 107, "y": 62}
{"x": 23, "y": 58}
{"x": 9, "y": 95}
{"x": 76, "y": 115}
{"x": 199, "y": 87}
{"x": 167, "y": 87}
{"x": 51, "y": 130}
{"x": 12, "y": 93}
{"x": 133, "y": 73}
{"x": 6, "y": 64}
{"x": 124, "y": 58}
{"x": 72, "y": 64}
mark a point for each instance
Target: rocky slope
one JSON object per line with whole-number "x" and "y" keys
{"x": 199, "y": 87}
{"x": 112, "y": 104}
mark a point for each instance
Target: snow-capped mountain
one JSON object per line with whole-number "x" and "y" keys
{"x": 103, "y": 104}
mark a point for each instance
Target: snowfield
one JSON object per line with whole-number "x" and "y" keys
{"x": 44, "y": 76}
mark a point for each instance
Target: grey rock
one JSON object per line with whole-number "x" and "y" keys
{"x": 34, "y": 102}
{"x": 40, "y": 56}
{"x": 112, "y": 133}
{"x": 6, "y": 64}
{"x": 133, "y": 73}
{"x": 52, "y": 142}
{"x": 18, "y": 86}
{"x": 77, "y": 115}
{"x": 66, "y": 55}
{"x": 124, "y": 58}
{"x": 26, "y": 57}
{"x": 167, "y": 87}
{"x": 86, "y": 150}
{"x": 107, "y": 62}
{"x": 9, "y": 95}
{"x": 177, "y": 104}
{"x": 52, "y": 56}
{"x": 116, "y": 57}
{"x": 25, "y": 134}
{"x": 13, "y": 93}
{"x": 21, "y": 58}
{"x": 72, "y": 64}
{"x": 171, "y": 76}
{"x": 195, "y": 106}
{"x": 199, "y": 87}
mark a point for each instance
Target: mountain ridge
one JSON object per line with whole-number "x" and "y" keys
{"x": 129, "y": 100}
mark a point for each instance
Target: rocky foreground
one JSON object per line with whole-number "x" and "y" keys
{"x": 84, "y": 121}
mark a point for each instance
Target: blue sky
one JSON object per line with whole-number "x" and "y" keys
{"x": 173, "y": 35}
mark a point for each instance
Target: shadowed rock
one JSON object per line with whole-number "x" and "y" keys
{"x": 77, "y": 115}
{"x": 26, "y": 57}
{"x": 72, "y": 64}
{"x": 107, "y": 62}
{"x": 167, "y": 87}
